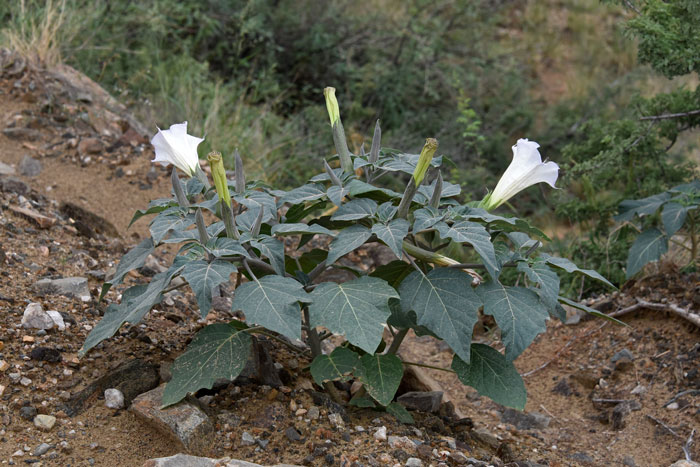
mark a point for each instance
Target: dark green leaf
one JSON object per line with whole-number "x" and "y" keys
{"x": 203, "y": 276}
{"x": 159, "y": 206}
{"x": 570, "y": 267}
{"x": 355, "y": 209}
{"x": 273, "y": 249}
{"x": 590, "y": 310}
{"x": 169, "y": 220}
{"x": 547, "y": 279}
{"x": 298, "y": 228}
{"x": 400, "y": 412}
{"x": 649, "y": 246}
{"x": 673, "y": 217}
{"x": 393, "y": 272}
{"x": 347, "y": 240}
{"x": 425, "y": 218}
{"x": 134, "y": 259}
{"x": 641, "y": 207}
{"x": 445, "y": 303}
{"x": 226, "y": 247}
{"x": 518, "y": 312}
{"x": 303, "y": 193}
{"x": 357, "y": 309}
{"x": 392, "y": 234}
{"x": 475, "y": 235}
{"x": 218, "y": 351}
{"x": 339, "y": 365}
{"x": 493, "y": 376}
{"x": 381, "y": 376}
{"x": 271, "y": 302}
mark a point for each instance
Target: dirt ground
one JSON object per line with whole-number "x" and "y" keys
{"x": 607, "y": 394}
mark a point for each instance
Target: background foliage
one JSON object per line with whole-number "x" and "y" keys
{"x": 476, "y": 75}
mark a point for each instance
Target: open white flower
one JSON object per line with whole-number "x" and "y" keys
{"x": 175, "y": 146}
{"x": 525, "y": 170}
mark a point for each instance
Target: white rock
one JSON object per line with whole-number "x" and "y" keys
{"x": 414, "y": 462}
{"x": 57, "y": 319}
{"x": 638, "y": 389}
{"x": 114, "y": 399}
{"x": 380, "y": 434}
{"x": 685, "y": 463}
{"x": 247, "y": 439}
{"x": 44, "y": 422}
{"x": 25, "y": 381}
{"x": 336, "y": 420}
{"x": 35, "y": 317}
{"x": 673, "y": 406}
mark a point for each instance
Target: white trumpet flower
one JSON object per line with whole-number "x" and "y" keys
{"x": 175, "y": 146}
{"x": 525, "y": 170}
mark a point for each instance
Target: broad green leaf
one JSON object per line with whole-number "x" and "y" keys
{"x": 355, "y": 209}
{"x": 629, "y": 207}
{"x": 518, "y": 312}
{"x": 347, "y": 240}
{"x": 590, "y": 310}
{"x": 570, "y": 267}
{"x": 339, "y": 365}
{"x": 492, "y": 375}
{"x": 193, "y": 186}
{"x": 271, "y": 302}
{"x": 203, "y": 276}
{"x": 425, "y": 218}
{"x": 687, "y": 188}
{"x": 381, "y": 376}
{"x": 357, "y": 309}
{"x": 273, "y": 249}
{"x": 177, "y": 219}
{"x": 673, "y": 217}
{"x": 400, "y": 412}
{"x": 469, "y": 213}
{"x": 218, "y": 351}
{"x": 475, "y": 235}
{"x": 649, "y": 246}
{"x": 358, "y": 187}
{"x": 134, "y": 259}
{"x": 299, "y": 228}
{"x": 336, "y": 194}
{"x": 181, "y": 236}
{"x": 547, "y": 279}
{"x": 393, "y": 272}
{"x": 136, "y": 302}
{"x": 445, "y": 303}
{"x": 362, "y": 402}
{"x": 226, "y": 247}
{"x": 154, "y": 207}
{"x": 386, "y": 211}
{"x": 425, "y": 192}
{"x": 392, "y": 234}
{"x": 309, "y": 192}
{"x": 255, "y": 200}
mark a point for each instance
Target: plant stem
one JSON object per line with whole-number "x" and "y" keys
{"x": 396, "y": 343}
{"x": 315, "y": 344}
{"x": 423, "y": 365}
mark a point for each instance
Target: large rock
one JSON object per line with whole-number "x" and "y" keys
{"x": 184, "y": 421}
{"x": 422, "y": 401}
{"x": 70, "y": 287}
{"x": 525, "y": 421}
{"x": 35, "y": 317}
{"x": 183, "y": 460}
{"x": 29, "y": 167}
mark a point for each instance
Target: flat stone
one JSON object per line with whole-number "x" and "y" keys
{"x": 14, "y": 185}
{"x": 624, "y": 353}
{"x": 525, "y": 421}
{"x": 184, "y": 421}
{"x": 35, "y": 317}
{"x": 70, "y": 287}
{"x": 29, "y": 167}
{"x": 27, "y": 412}
{"x": 401, "y": 442}
{"x": 380, "y": 434}
{"x": 484, "y": 436}
{"x": 247, "y": 439}
{"x": 685, "y": 463}
{"x": 57, "y": 319}
{"x": 6, "y": 169}
{"x": 428, "y": 402}
{"x": 44, "y": 422}
{"x": 414, "y": 462}
{"x": 114, "y": 399}
{"x": 292, "y": 434}
{"x": 90, "y": 146}
{"x": 314, "y": 413}
{"x": 46, "y": 354}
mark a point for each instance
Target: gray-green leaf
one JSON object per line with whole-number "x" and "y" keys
{"x": 649, "y": 246}
{"x": 570, "y": 267}
{"x": 134, "y": 259}
{"x": 355, "y": 209}
{"x": 392, "y": 234}
{"x": 271, "y": 302}
{"x": 381, "y": 376}
{"x": 339, "y": 365}
{"x": 518, "y": 312}
{"x": 346, "y": 241}
{"x": 673, "y": 216}
{"x": 547, "y": 279}
{"x": 299, "y": 228}
{"x": 219, "y": 351}
{"x": 167, "y": 221}
{"x": 358, "y": 309}
{"x": 445, "y": 303}
{"x": 475, "y": 235}
{"x": 203, "y": 276}
{"x": 492, "y": 375}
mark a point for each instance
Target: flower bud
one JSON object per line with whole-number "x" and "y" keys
{"x": 218, "y": 172}
{"x": 332, "y": 105}
{"x": 426, "y": 156}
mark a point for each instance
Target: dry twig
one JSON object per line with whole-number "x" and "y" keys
{"x": 659, "y": 422}
{"x": 669, "y": 307}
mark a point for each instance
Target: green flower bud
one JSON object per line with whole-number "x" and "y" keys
{"x": 218, "y": 172}
{"x": 332, "y": 105}
{"x": 426, "y": 156}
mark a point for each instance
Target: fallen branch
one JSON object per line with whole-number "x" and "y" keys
{"x": 669, "y": 307}
{"x": 559, "y": 352}
{"x": 659, "y": 422}
{"x": 669, "y": 116}
{"x": 691, "y": 392}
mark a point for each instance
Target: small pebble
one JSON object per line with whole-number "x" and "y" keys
{"x": 380, "y": 434}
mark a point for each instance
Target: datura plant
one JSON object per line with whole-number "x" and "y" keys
{"x": 280, "y": 286}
